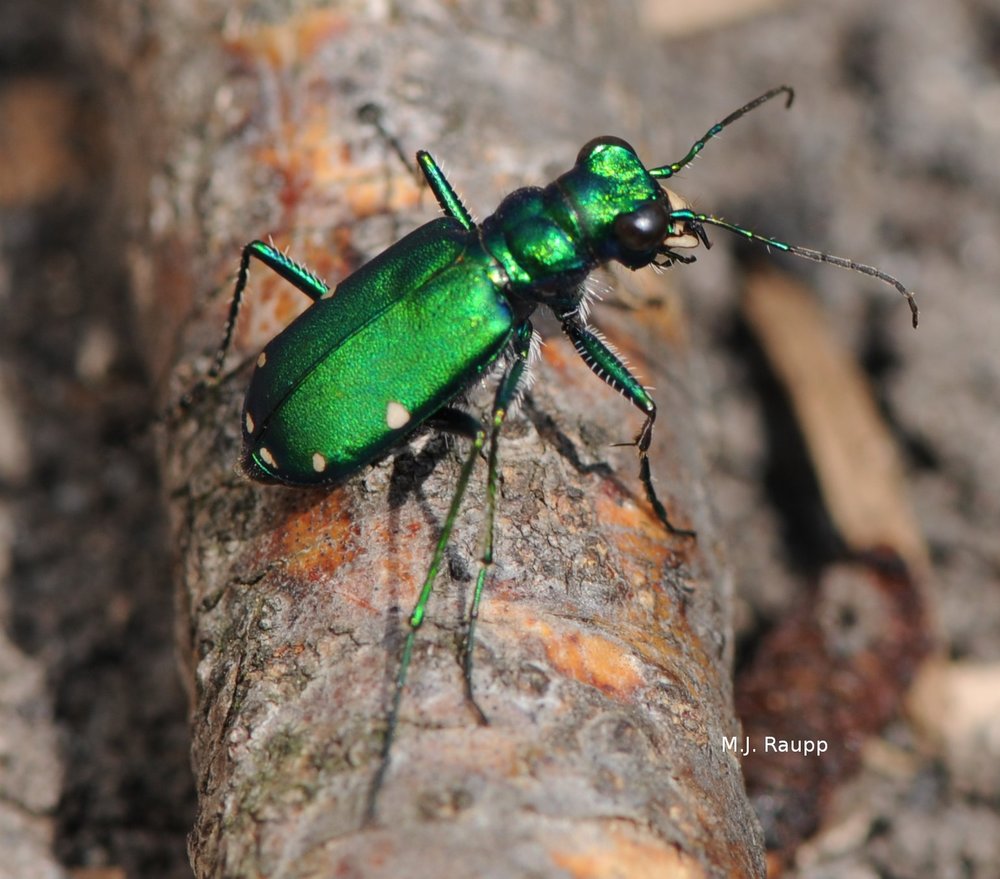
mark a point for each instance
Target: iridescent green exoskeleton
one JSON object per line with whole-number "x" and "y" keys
{"x": 392, "y": 347}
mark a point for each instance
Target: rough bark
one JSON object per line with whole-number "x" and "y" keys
{"x": 602, "y": 656}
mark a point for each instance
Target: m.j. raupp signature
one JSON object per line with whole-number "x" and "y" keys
{"x": 774, "y": 745}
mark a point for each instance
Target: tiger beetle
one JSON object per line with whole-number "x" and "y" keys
{"x": 393, "y": 346}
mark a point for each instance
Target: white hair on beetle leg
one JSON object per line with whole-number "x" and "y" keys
{"x": 591, "y": 289}
{"x": 588, "y": 358}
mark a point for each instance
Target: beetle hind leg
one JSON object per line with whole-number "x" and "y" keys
{"x": 506, "y": 394}
{"x": 462, "y": 424}
{"x": 420, "y": 608}
{"x": 282, "y": 265}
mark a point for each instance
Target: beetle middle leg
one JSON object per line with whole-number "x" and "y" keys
{"x": 443, "y": 191}
{"x": 610, "y": 368}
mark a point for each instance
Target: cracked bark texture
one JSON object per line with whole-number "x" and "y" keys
{"x": 602, "y": 655}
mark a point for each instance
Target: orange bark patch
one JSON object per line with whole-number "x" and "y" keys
{"x": 291, "y": 41}
{"x": 619, "y": 853}
{"x": 315, "y": 538}
{"x": 591, "y": 659}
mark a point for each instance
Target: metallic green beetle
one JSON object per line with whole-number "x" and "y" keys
{"x": 394, "y": 344}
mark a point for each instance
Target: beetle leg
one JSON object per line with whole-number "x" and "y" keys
{"x": 463, "y": 424}
{"x": 417, "y": 616}
{"x": 456, "y": 422}
{"x": 506, "y": 393}
{"x": 443, "y": 191}
{"x": 610, "y": 368}
{"x": 296, "y": 274}
{"x": 446, "y": 196}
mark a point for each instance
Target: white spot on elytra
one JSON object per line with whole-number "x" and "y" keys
{"x": 396, "y": 415}
{"x": 262, "y": 359}
{"x": 267, "y": 457}
{"x": 319, "y": 462}
{"x": 249, "y": 423}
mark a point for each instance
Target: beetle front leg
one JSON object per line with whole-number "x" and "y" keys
{"x": 610, "y": 368}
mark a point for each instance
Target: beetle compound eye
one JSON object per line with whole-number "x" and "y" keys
{"x": 607, "y": 140}
{"x": 642, "y": 229}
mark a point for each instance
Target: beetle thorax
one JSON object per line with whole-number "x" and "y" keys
{"x": 536, "y": 240}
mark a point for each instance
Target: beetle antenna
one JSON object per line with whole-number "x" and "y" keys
{"x": 665, "y": 171}
{"x": 688, "y": 216}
